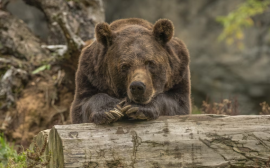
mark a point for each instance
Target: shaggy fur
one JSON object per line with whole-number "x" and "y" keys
{"x": 127, "y": 51}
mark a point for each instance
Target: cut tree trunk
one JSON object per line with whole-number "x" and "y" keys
{"x": 178, "y": 141}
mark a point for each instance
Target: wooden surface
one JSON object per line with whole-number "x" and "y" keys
{"x": 178, "y": 141}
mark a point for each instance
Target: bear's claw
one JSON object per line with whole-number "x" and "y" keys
{"x": 126, "y": 108}
{"x": 139, "y": 116}
{"x": 132, "y": 110}
{"x": 122, "y": 102}
{"x": 117, "y": 112}
{"x": 114, "y": 115}
{"x": 135, "y": 113}
{"x": 110, "y": 115}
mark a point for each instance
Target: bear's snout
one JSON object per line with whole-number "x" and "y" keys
{"x": 137, "y": 88}
{"x": 140, "y": 89}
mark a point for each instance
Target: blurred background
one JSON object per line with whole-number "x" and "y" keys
{"x": 228, "y": 41}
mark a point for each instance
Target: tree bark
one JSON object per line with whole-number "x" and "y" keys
{"x": 178, "y": 141}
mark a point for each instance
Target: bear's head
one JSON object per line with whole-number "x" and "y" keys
{"x": 139, "y": 58}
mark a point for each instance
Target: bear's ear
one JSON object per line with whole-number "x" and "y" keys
{"x": 103, "y": 34}
{"x": 163, "y": 30}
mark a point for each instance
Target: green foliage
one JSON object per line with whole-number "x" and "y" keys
{"x": 9, "y": 157}
{"x": 236, "y": 21}
{"x": 196, "y": 110}
{"x": 41, "y": 68}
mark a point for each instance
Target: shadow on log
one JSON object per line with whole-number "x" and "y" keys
{"x": 178, "y": 141}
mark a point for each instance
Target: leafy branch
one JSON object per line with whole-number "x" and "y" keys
{"x": 236, "y": 21}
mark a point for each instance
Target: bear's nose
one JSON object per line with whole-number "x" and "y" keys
{"x": 137, "y": 88}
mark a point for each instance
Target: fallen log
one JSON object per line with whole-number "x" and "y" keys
{"x": 177, "y": 141}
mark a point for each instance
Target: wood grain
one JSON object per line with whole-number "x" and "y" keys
{"x": 177, "y": 141}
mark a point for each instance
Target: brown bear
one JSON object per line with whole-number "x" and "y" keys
{"x": 132, "y": 70}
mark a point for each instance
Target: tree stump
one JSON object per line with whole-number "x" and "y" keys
{"x": 175, "y": 141}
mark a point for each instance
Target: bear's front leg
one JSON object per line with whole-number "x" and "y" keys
{"x": 102, "y": 109}
{"x": 148, "y": 111}
{"x": 162, "y": 105}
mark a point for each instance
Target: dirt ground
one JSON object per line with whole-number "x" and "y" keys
{"x": 44, "y": 102}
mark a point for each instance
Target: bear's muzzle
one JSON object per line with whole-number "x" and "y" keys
{"x": 137, "y": 88}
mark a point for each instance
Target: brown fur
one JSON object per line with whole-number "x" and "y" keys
{"x": 126, "y": 51}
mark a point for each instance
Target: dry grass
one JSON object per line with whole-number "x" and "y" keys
{"x": 37, "y": 157}
{"x": 265, "y": 109}
{"x": 225, "y": 107}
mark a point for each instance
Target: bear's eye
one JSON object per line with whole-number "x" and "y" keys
{"x": 150, "y": 64}
{"x": 125, "y": 68}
